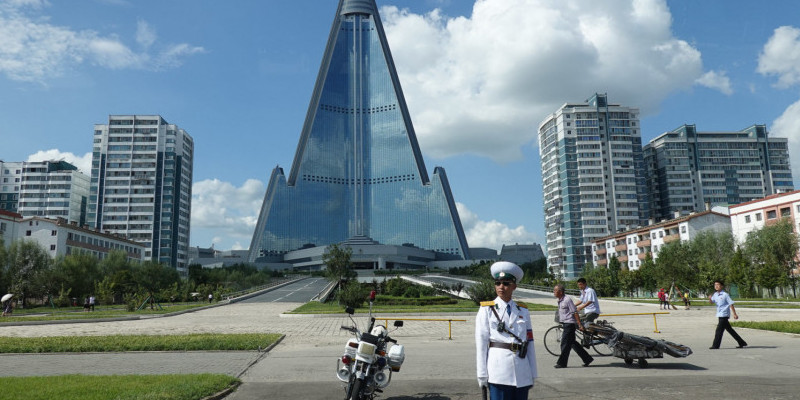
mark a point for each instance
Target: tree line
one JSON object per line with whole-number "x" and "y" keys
{"x": 28, "y": 271}
{"x": 763, "y": 263}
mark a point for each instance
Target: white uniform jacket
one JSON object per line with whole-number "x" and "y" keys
{"x": 502, "y": 366}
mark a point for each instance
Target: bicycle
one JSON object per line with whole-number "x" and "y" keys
{"x": 552, "y": 341}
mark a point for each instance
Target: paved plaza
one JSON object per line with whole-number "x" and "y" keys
{"x": 302, "y": 365}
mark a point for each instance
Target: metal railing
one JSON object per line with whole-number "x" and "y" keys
{"x": 655, "y": 323}
{"x": 449, "y": 322}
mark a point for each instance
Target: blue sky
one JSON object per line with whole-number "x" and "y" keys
{"x": 478, "y": 78}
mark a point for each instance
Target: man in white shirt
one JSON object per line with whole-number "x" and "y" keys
{"x": 589, "y": 302}
{"x": 724, "y": 309}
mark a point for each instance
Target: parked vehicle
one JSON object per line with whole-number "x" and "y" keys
{"x": 369, "y": 358}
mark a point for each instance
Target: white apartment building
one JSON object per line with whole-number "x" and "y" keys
{"x": 10, "y": 182}
{"x": 141, "y": 185}
{"x": 753, "y": 215}
{"x": 687, "y": 168}
{"x": 593, "y": 179}
{"x": 9, "y": 226}
{"x": 60, "y": 237}
{"x": 632, "y": 247}
{"x": 53, "y": 189}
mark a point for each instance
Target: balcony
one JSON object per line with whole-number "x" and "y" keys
{"x": 621, "y": 247}
{"x": 672, "y": 238}
{"x": 601, "y": 251}
{"x": 602, "y": 261}
{"x": 643, "y": 243}
{"x": 642, "y": 256}
{"x": 623, "y": 259}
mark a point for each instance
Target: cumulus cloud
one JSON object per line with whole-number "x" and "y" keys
{"x": 32, "y": 49}
{"x": 781, "y": 56}
{"x": 222, "y": 207}
{"x": 481, "y": 84}
{"x": 788, "y": 126}
{"x": 717, "y": 81}
{"x": 491, "y": 234}
{"x": 84, "y": 163}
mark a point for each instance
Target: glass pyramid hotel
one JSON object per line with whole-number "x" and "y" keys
{"x": 358, "y": 178}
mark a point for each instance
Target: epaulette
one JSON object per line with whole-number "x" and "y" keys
{"x": 487, "y": 303}
{"x": 523, "y": 305}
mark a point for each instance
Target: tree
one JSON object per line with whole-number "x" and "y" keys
{"x": 153, "y": 277}
{"x": 629, "y": 281}
{"x": 338, "y": 266}
{"x": 27, "y": 260}
{"x": 674, "y": 264}
{"x": 742, "y": 273}
{"x": 710, "y": 254}
{"x": 772, "y": 250}
{"x": 78, "y": 272}
{"x": 647, "y": 273}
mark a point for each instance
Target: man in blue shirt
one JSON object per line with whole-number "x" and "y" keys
{"x": 724, "y": 309}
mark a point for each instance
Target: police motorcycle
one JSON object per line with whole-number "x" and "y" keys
{"x": 366, "y": 366}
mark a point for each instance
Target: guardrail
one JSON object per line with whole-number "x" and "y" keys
{"x": 449, "y": 323}
{"x": 239, "y": 293}
{"x": 655, "y": 323}
{"x": 323, "y": 295}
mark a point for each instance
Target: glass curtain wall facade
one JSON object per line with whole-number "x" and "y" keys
{"x": 358, "y": 170}
{"x": 141, "y": 185}
{"x": 593, "y": 179}
{"x": 687, "y": 169}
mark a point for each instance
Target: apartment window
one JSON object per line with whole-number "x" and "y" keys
{"x": 683, "y": 229}
{"x": 52, "y": 247}
{"x": 27, "y": 233}
{"x": 771, "y": 214}
{"x": 758, "y": 216}
{"x": 747, "y": 219}
{"x": 52, "y": 233}
{"x": 654, "y": 235}
{"x": 660, "y": 234}
{"x": 786, "y": 212}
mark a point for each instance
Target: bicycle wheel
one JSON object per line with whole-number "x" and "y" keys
{"x": 552, "y": 340}
{"x": 600, "y": 347}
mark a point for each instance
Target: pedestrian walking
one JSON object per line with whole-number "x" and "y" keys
{"x": 724, "y": 310}
{"x": 569, "y": 318}
{"x": 506, "y": 359}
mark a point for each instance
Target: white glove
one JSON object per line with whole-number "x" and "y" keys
{"x": 483, "y": 382}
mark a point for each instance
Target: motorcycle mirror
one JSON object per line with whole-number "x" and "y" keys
{"x": 349, "y": 310}
{"x": 398, "y": 323}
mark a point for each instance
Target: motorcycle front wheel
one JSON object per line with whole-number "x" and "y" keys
{"x": 355, "y": 393}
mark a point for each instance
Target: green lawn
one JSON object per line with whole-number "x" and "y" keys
{"x": 53, "y": 314}
{"x": 115, "y": 387}
{"x": 193, "y": 342}
{"x": 777, "y": 326}
{"x": 462, "y": 306}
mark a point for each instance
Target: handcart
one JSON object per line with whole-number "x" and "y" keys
{"x": 631, "y": 347}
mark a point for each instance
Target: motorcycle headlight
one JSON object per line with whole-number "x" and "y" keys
{"x": 366, "y": 349}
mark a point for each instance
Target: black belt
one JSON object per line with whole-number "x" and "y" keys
{"x": 510, "y": 346}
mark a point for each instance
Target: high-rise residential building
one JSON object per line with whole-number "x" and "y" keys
{"x": 358, "y": 175}
{"x": 593, "y": 178}
{"x": 53, "y": 189}
{"x": 10, "y": 182}
{"x": 141, "y": 185}
{"x": 687, "y": 169}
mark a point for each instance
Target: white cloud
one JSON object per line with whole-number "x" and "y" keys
{"x": 781, "y": 56}
{"x": 491, "y": 234}
{"x": 223, "y": 208}
{"x": 788, "y": 126}
{"x": 716, "y": 80}
{"x": 481, "y": 84}
{"x": 84, "y": 163}
{"x": 32, "y": 49}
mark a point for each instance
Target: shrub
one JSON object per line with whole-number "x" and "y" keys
{"x": 352, "y": 294}
{"x": 481, "y": 291}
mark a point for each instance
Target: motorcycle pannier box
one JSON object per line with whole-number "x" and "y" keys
{"x": 396, "y": 357}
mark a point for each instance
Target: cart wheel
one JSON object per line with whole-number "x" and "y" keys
{"x": 642, "y": 363}
{"x": 629, "y": 361}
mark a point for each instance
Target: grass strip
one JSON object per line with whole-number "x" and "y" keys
{"x": 116, "y": 387}
{"x": 775, "y": 326}
{"x": 68, "y": 313}
{"x": 461, "y": 306}
{"x": 115, "y": 343}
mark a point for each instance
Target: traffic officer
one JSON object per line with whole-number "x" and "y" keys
{"x": 506, "y": 359}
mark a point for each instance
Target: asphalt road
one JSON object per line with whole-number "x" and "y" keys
{"x": 298, "y": 292}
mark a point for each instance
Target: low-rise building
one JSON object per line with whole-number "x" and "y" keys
{"x": 754, "y": 215}
{"x": 631, "y": 247}
{"x": 60, "y": 237}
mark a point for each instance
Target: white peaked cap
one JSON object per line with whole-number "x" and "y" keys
{"x": 506, "y": 270}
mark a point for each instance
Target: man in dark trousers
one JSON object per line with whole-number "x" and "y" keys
{"x": 568, "y": 315}
{"x": 724, "y": 309}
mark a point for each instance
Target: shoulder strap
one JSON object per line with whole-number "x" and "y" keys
{"x": 489, "y": 303}
{"x": 521, "y": 305}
